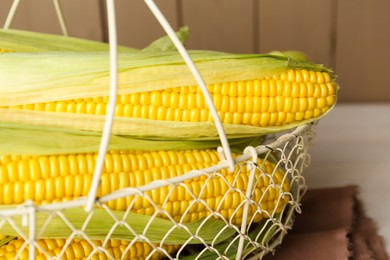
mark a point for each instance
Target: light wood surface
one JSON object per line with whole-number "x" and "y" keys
{"x": 353, "y": 147}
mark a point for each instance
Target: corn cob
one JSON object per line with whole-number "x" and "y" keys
{"x": 292, "y": 96}
{"x": 55, "y": 178}
{"x": 82, "y": 249}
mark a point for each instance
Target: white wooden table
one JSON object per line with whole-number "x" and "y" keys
{"x": 353, "y": 147}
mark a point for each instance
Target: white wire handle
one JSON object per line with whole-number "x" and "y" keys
{"x": 249, "y": 189}
{"x": 60, "y": 17}
{"x": 11, "y": 14}
{"x": 111, "y": 106}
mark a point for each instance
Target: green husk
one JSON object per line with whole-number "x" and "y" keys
{"x": 26, "y": 41}
{"x": 6, "y": 240}
{"x": 297, "y": 55}
{"x": 165, "y": 44}
{"x": 263, "y": 232}
{"x": 135, "y": 128}
{"x": 37, "y": 140}
{"x": 49, "y": 76}
{"x": 52, "y": 225}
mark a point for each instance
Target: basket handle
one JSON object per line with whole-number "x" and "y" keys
{"x": 110, "y": 108}
{"x": 226, "y": 153}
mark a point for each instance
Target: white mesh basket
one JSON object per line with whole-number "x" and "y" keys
{"x": 264, "y": 218}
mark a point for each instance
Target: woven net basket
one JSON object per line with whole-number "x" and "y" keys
{"x": 263, "y": 219}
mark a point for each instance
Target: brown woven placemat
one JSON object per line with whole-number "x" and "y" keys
{"x": 333, "y": 226}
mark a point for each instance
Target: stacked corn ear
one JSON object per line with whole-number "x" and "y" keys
{"x": 65, "y": 91}
{"x": 254, "y": 94}
{"x": 64, "y": 177}
{"x": 57, "y": 178}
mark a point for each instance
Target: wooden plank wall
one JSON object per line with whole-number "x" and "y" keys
{"x": 351, "y": 36}
{"x": 83, "y": 20}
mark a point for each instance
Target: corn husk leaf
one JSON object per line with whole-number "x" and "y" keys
{"x": 263, "y": 232}
{"x": 27, "y": 41}
{"x": 165, "y": 44}
{"x": 141, "y": 128}
{"x": 37, "y": 140}
{"x": 48, "y": 76}
{"x": 52, "y": 225}
{"x": 6, "y": 240}
{"x": 297, "y": 55}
